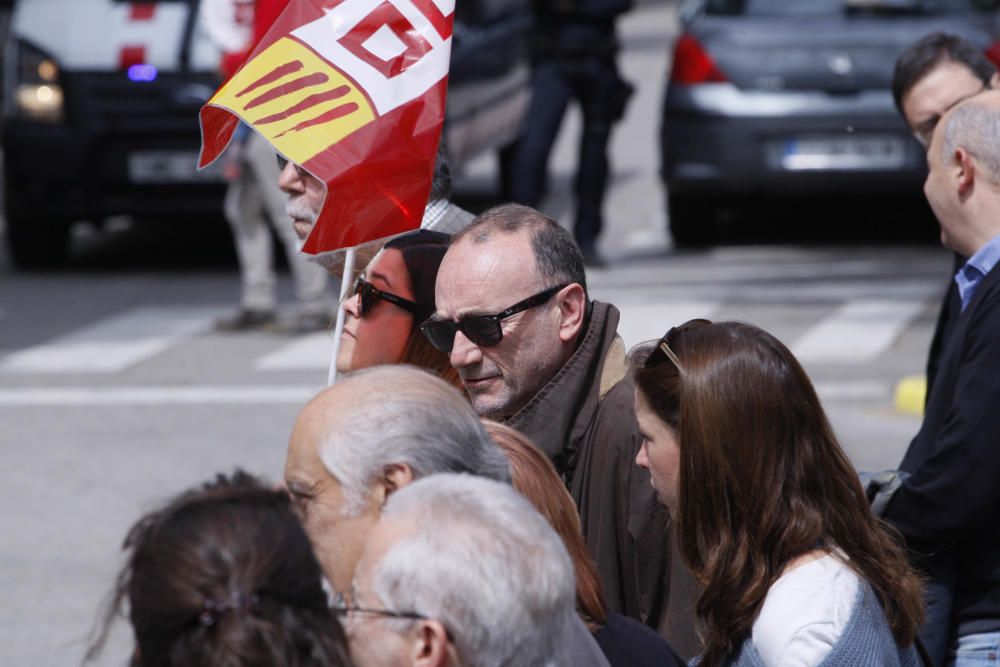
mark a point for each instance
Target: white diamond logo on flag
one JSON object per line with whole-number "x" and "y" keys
{"x": 384, "y": 44}
{"x": 344, "y": 38}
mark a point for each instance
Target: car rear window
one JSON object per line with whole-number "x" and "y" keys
{"x": 810, "y": 7}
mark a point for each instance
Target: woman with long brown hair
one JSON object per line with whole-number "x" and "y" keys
{"x": 771, "y": 516}
{"x": 624, "y": 641}
{"x": 392, "y": 297}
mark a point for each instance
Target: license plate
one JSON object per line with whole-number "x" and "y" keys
{"x": 843, "y": 153}
{"x": 145, "y": 167}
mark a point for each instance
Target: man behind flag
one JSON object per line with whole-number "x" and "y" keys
{"x": 354, "y": 92}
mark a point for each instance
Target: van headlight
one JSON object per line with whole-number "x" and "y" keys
{"x": 38, "y": 93}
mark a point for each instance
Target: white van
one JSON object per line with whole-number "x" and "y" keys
{"x": 101, "y": 101}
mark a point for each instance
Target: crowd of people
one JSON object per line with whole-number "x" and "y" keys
{"x": 494, "y": 481}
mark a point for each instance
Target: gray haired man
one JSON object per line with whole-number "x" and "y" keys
{"x": 372, "y": 433}
{"x": 463, "y": 571}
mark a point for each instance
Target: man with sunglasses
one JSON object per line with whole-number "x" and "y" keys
{"x": 306, "y": 195}
{"x": 254, "y": 205}
{"x": 532, "y": 350}
{"x": 931, "y": 76}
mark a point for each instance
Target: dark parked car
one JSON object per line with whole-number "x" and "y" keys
{"x": 792, "y": 97}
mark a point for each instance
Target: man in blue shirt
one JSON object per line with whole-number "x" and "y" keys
{"x": 948, "y": 509}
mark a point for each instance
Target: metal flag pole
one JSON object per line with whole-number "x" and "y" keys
{"x": 338, "y": 328}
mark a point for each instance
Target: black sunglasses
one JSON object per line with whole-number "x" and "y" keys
{"x": 663, "y": 352}
{"x": 482, "y": 330}
{"x": 283, "y": 162}
{"x": 368, "y": 294}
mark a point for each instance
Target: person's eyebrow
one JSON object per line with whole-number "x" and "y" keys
{"x": 380, "y": 276}
{"x": 298, "y": 487}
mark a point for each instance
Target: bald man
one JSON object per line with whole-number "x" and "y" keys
{"x": 948, "y": 509}
{"x": 367, "y": 436}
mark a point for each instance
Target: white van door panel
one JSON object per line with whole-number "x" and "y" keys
{"x": 100, "y": 35}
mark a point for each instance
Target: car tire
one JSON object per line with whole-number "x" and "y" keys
{"x": 693, "y": 221}
{"x": 37, "y": 243}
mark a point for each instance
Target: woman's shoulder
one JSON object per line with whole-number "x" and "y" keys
{"x": 806, "y": 612}
{"x": 626, "y": 641}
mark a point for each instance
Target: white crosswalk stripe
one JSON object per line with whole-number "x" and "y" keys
{"x": 201, "y": 395}
{"x": 649, "y": 321}
{"x": 310, "y": 352}
{"x": 857, "y": 332}
{"x": 113, "y": 344}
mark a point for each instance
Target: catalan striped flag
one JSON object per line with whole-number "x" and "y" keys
{"x": 354, "y": 92}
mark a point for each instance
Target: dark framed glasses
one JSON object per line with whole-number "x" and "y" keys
{"x": 482, "y": 330}
{"x": 283, "y": 162}
{"x": 368, "y": 294}
{"x": 663, "y": 353}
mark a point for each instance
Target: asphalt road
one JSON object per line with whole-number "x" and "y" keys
{"x": 115, "y": 393}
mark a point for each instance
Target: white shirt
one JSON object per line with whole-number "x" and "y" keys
{"x": 805, "y": 612}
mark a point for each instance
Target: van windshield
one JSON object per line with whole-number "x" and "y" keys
{"x": 828, "y": 7}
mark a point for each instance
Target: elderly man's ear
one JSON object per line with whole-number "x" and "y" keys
{"x": 394, "y": 477}
{"x": 431, "y": 647}
{"x": 965, "y": 172}
{"x": 572, "y": 311}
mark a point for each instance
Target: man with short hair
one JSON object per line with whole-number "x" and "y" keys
{"x": 932, "y": 76}
{"x": 462, "y": 571}
{"x": 948, "y": 509}
{"x": 372, "y": 433}
{"x": 533, "y": 350}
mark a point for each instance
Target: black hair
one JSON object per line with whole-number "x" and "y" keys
{"x": 918, "y": 59}
{"x": 422, "y": 253}
{"x": 225, "y": 575}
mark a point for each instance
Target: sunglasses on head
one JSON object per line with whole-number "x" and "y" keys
{"x": 663, "y": 353}
{"x": 481, "y": 330}
{"x": 368, "y": 294}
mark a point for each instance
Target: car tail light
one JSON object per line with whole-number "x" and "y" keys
{"x": 993, "y": 53}
{"x": 692, "y": 64}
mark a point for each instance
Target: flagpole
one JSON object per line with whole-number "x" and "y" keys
{"x": 338, "y": 328}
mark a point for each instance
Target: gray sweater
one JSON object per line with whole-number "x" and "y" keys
{"x": 867, "y": 641}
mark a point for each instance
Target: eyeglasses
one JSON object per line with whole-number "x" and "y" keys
{"x": 662, "y": 352}
{"x": 368, "y": 294}
{"x": 482, "y": 330}
{"x": 349, "y": 609}
{"x": 283, "y": 162}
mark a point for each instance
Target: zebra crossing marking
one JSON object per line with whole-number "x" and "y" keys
{"x": 112, "y": 344}
{"x": 310, "y": 352}
{"x": 856, "y": 332}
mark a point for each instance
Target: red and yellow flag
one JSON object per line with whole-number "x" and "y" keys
{"x": 354, "y": 92}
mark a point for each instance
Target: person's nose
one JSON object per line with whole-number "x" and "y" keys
{"x": 352, "y": 305}
{"x": 289, "y": 180}
{"x": 642, "y": 459}
{"x": 464, "y": 352}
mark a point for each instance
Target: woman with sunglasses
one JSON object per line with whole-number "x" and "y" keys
{"x": 391, "y": 298}
{"x": 771, "y": 517}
